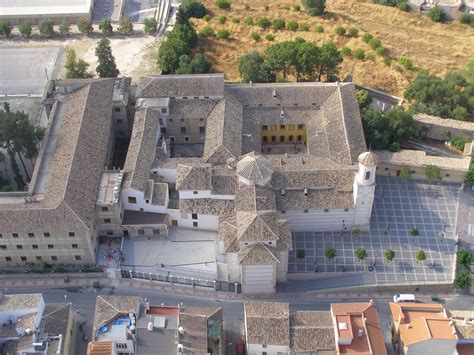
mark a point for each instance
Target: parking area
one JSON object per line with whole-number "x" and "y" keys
{"x": 139, "y": 10}
{"x": 398, "y": 208}
{"x": 24, "y": 71}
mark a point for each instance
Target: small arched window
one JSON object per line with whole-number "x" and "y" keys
{"x": 367, "y": 175}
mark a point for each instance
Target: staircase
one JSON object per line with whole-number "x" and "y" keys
{"x": 222, "y": 272}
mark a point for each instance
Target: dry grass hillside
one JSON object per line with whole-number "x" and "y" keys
{"x": 437, "y": 47}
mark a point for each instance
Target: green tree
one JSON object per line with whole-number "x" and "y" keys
{"x": 188, "y": 9}
{"x": 361, "y": 254}
{"x": 389, "y": 255}
{"x": 263, "y": 22}
{"x": 437, "y": 14}
{"x": 64, "y": 28}
{"x": 105, "y": 26}
{"x": 84, "y": 26}
{"x": 307, "y": 60}
{"x": 466, "y": 19}
{"x": 405, "y": 173}
{"x": 420, "y": 256}
{"x": 280, "y": 57}
{"x": 207, "y": 32}
{"x": 469, "y": 178}
{"x": 330, "y": 253}
{"x": 346, "y": 52}
{"x": 414, "y": 232}
{"x": 374, "y": 43}
{"x": 329, "y": 60}
{"x": 278, "y": 24}
{"x": 366, "y": 37}
{"x": 75, "y": 69}
{"x": 222, "y": 19}
{"x": 126, "y": 26}
{"x": 305, "y": 27}
{"x": 432, "y": 173}
{"x": 406, "y": 62}
{"x": 352, "y": 31}
{"x": 46, "y": 28}
{"x": 248, "y": 21}
{"x": 340, "y": 31}
{"x": 255, "y": 36}
{"x": 292, "y": 25}
{"x": 462, "y": 280}
{"x": 314, "y": 7}
{"x": 180, "y": 41}
{"x": 106, "y": 67}
{"x": 300, "y": 253}
{"x": 359, "y": 53}
{"x": 25, "y": 28}
{"x": 223, "y": 33}
{"x": 319, "y": 29}
{"x": 269, "y": 37}
{"x": 464, "y": 257}
{"x": 223, "y": 4}
{"x": 150, "y": 25}
{"x": 252, "y": 67}
{"x": 363, "y": 98}
{"x": 5, "y": 28}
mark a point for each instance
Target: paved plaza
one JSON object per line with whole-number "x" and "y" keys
{"x": 398, "y": 208}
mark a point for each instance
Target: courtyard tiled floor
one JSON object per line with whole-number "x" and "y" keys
{"x": 398, "y": 207}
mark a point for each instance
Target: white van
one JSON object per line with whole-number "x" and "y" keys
{"x": 404, "y": 297}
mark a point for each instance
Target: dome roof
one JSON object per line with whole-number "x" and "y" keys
{"x": 368, "y": 159}
{"x": 255, "y": 168}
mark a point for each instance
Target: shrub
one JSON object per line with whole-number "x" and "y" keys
{"x": 126, "y": 26}
{"x": 247, "y": 7}
{"x": 370, "y": 56}
{"x": 207, "y": 18}
{"x": 223, "y": 33}
{"x": 366, "y": 37}
{"x": 222, "y": 19}
{"x": 255, "y": 36}
{"x": 459, "y": 142}
{"x": 340, "y": 31}
{"x": 235, "y": 20}
{"x": 286, "y": 7}
{"x": 406, "y": 62}
{"x": 292, "y": 25}
{"x": 375, "y": 43}
{"x": 85, "y": 26}
{"x": 462, "y": 280}
{"x": 353, "y": 32}
{"x": 64, "y": 28}
{"x": 389, "y": 254}
{"x": 403, "y": 6}
{"x": 207, "y": 32}
{"x": 46, "y": 28}
{"x": 223, "y": 4}
{"x": 266, "y": 7}
{"x": 296, "y": 8}
{"x": 346, "y": 52}
{"x": 151, "y": 25}
{"x": 300, "y": 253}
{"x": 464, "y": 257}
{"x": 25, "y": 28}
{"x": 466, "y": 19}
{"x": 315, "y": 7}
{"x": 5, "y": 28}
{"x": 380, "y": 51}
{"x": 330, "y": 253}
{"x": 248, "y": 21}
{"x": 270, "y": 37}
{"x": 304, "y": 27}
{"x": 105, "y": 26}
{"x": 414, "y": 232}
{"x": 437, "y": 14}
{"x": 420, "y": 256}
{"x": 359, "y": 54}
{"x": 469, "y": 177}
{"x": 361, "y": 254}
{"x": 263, "y": 22}
{"x": 319, "y": 29}
{"x": 278, "y": 24}
{"x": 387, "y": 60}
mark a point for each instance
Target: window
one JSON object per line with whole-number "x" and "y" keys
{"x": 326, "y": 210}
{"x": 156, "y": 231}
{"x": 163, "y": 130}
{"x": 147, "y": 201}
{"x": 282, "y": 126}
{"x": 346, "y": 210}
{"x": 183, "y": 130}
{"x": 110, "y": 233}
{"x": 447, "y": 175}
{"x": 72, "y": 234}
{"x": 54, "y": 258}
{"x": 305, "y": 211}
{"x": 50, "y": 246}
{"x": 119, "y": 121}
{"x": 300, "y": 139}
{"x": 31, "y": 235}
{"x": 186, "y": 139}
{"x": 35, "y": 246}
{"x": 386, "y": 169}
{"x": 274, "y": 138}
{"x": 264, "y": 346}
{"x": 39, "y": 258}
{"x": 117, "y": 109}
{"x": 104, "y": 209}
{"x": 15, "y": 235}
{"x": 292, "y": 127}
{"x": 164, "y": 110}
{"x": 265, "y": 139}
{"x": 273, "y": 127}
{"x": 141, "y": 232}
{"x": 74, "y": 246}
{"x": 106, "y": 220}
{"x": 8, "y": 258}
{"x": 121, "y": 133}
{"x": 283, "y": 211}
{"x": 264, "y": 128}
{"x": 1, "y": 235}
{"x": 195, "y": 192}
{"x": 367, "y": 175}
{"x": 77, "y": 257}
{"x": 194, "y": 216}
{"x": 47, "y": 235}
{"x": 201, "y": 120}
{"x": 290, "y": 139}
{"x": 3, "y": 247}
{"x": 300, "y": 127}
{"x": 270, "y": 243}
{"x": 19, "y": 246}
{"x": 282, "y": 139}
{"x": 195, "y": 224}
{"x": 171, "y": 139}
{"x": 185, "y": 97}
{"x": 202, "y": 130}
{"x": 132, "y": 199}
{"x": 23, "y": 258}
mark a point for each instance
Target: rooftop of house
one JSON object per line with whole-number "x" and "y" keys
{"x": 419, "y": 322}
{"x": 160, "y": 335}
{"x": 311, "y": 331}
{"x": 267, "y": 323}
{"x": 100, "y": 347}
{"x": 63, "y": 189}
{"x": 360, "y": 323}
{"x": 55, "y": 319}
{"x": 108, "y": 308}
{"x": 464, "y": 322}
{"x": 20, "y": 301}
{"x": 444, "y": 122}
{"x": 45, "y": 7}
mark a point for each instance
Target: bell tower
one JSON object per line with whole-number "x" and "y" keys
{"x": 364, "y": 189}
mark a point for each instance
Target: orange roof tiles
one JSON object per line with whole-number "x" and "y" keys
{"x": 99, "y": 348}
{"x": 364, "y": 319}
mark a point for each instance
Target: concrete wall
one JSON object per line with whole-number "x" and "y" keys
{"x": 258, "y": 349}
{"x": 432, "y": 347}
{"x": 233, "y": 267}
{"x": 418, "y": 173}
{"x": 258, "y": 279}
{"x": 282, "y": 267}
{"x": 191, "y": 195}
{"x": 319, "y": 220}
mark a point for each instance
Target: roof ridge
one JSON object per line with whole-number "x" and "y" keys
{"x": 344, "y": 122}
{"x": 63, "y": 305}
{"x": 263, "y": 244}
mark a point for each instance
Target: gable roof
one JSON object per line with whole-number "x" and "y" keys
{"x": 258, "y": 254}
{"x": 267, "y": 323}
{"x": 107, "y": 308}
{"x": 193, "y": 177}
{"x": 255, "y": 168}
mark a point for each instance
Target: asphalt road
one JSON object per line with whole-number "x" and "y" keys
{"x": 23, "y": 70}
{"x": 83, "y": 300}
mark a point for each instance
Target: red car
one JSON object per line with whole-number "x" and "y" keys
{"x": 240, "y": 347}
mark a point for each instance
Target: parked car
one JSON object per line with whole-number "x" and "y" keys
{"x": 404, "y": 297}
{"x": 240, "y": 347}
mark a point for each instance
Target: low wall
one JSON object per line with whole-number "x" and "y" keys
{"x": 76, "y": 275}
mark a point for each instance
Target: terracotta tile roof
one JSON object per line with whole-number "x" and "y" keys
{"x": 55, "y": 319}
{"x": 107, "y": 308}
{"x": 213, "y": 207}
{"x": 193, "y": 177}
{"x": 100, "y": 348}
{"x": 20, "y": 301}
{"x": 363, "y": 317}
{"x": 311, "y": 331}
{"x": 194, "y": 320}
{"x": 258, "y": 254}
{"x": 267, "y": 323}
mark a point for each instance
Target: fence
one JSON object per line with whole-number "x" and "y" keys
{"x": 182, "y": 280}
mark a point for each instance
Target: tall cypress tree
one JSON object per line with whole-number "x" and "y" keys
{"x": 107, "y": 67}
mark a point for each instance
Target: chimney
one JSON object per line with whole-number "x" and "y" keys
{"x": 283, "y": 192}
{"x": 360, "y": 333}
{"x": 305, "y": 191}
{"x": 274, "y": 94}
{"x": 282, "y": 114}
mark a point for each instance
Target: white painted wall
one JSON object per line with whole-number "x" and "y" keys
{"x": 364, "y": 200}
{"x": 318, "y": 220}
{"x": 190, "y": 195}
{"x": 169, "y": 175}
{"x": 258, "y": 278}
{"x": 282, "y": 267}
{"x": 258, "y": 349}
{"x": 205, "y": 222}
{"x": 233, "y": 267}
{"x": 433, "y": 347}
{"x": 141, "y": 203}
